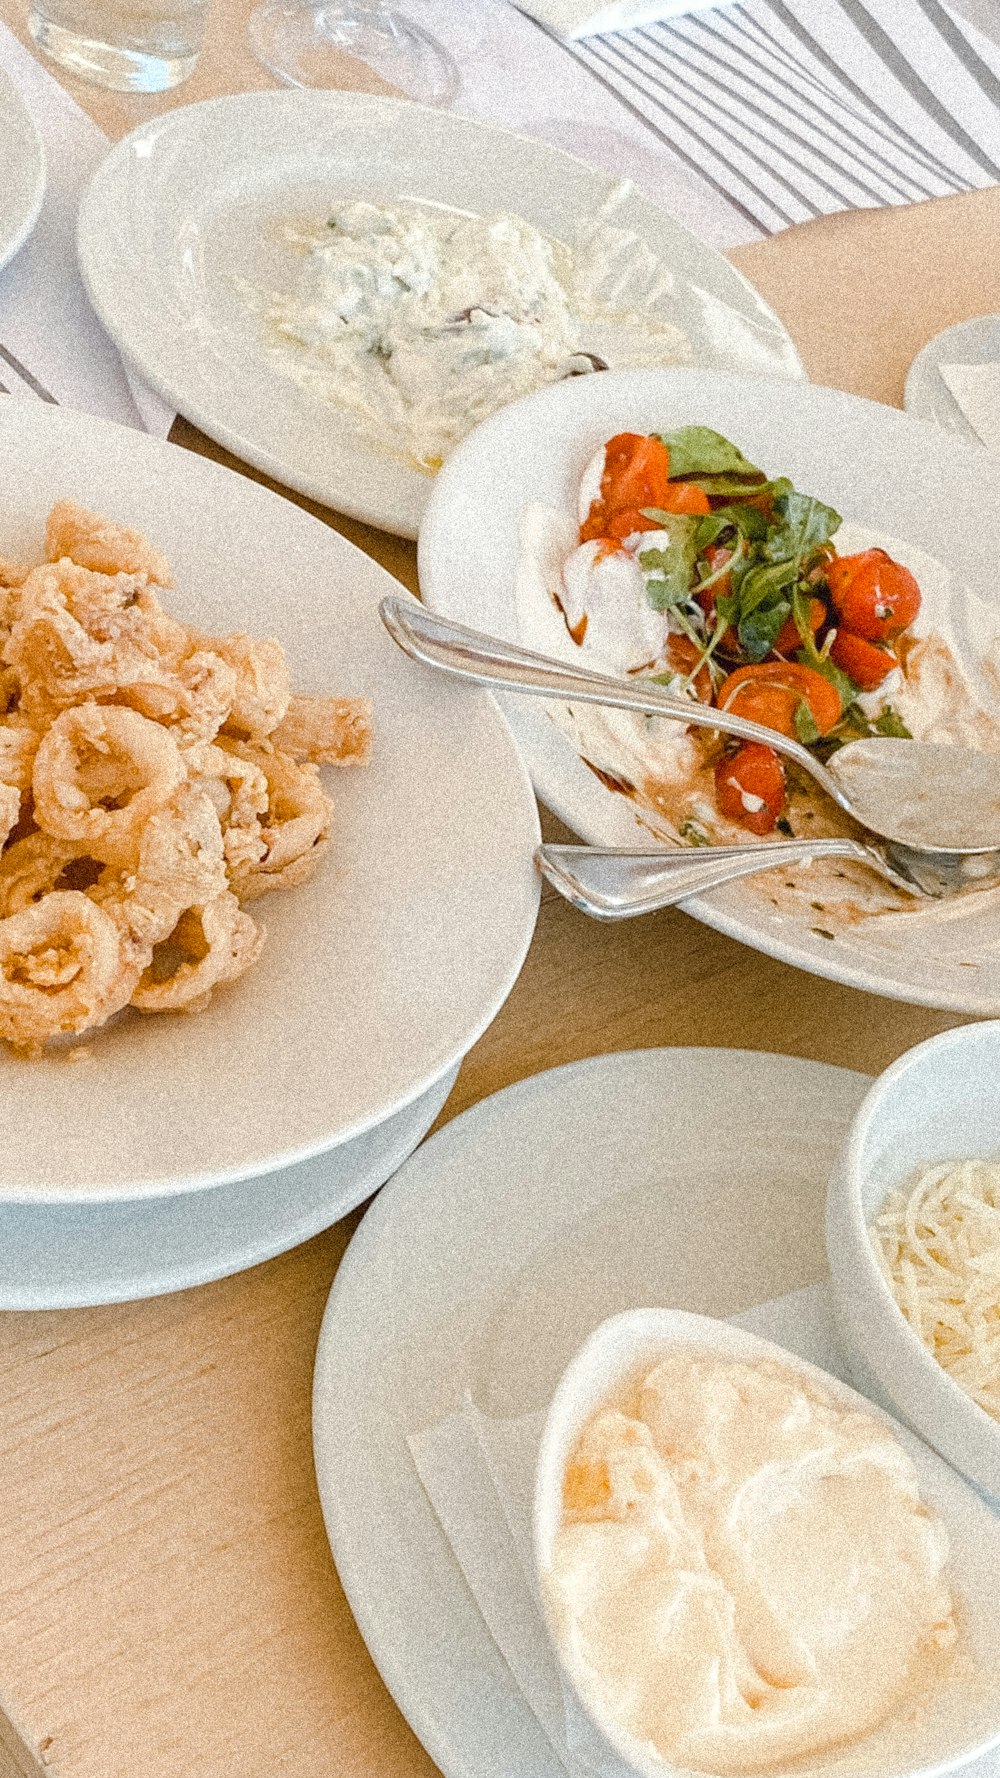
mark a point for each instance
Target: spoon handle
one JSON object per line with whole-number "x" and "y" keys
{"x": 488, "y": 660}
{"x": 613, "y": 885}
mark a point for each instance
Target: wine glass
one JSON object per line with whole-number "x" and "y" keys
{"x": 304, "y": 44}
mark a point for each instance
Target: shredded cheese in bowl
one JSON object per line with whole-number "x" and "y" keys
{"x": 938, "y": 1243}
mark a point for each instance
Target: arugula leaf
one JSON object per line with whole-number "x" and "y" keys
{"x": 674, "y": 563}
{"x": 748, "y": 521}
{"x": 802, "y": 524}
{"x": 821, "y": 663}
{"x": 805, "y": 725}
{"x": 763, "y": 582}
{"x": 889, "y": 723}
{"x": 758, "y": 630}
{"x": 663, "y": 596}
{"x": 697, "y": 450}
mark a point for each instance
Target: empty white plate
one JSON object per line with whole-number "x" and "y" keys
{"x": 926, "y": 393}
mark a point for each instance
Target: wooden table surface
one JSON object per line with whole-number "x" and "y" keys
{"x": 168, "y": 1602}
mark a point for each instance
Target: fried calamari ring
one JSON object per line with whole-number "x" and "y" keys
{"x": 10, "y": 691}
{"x": 34, "y": 866}
{"x": 238, "y": 791}
{"x": 193, "y": 702}
{"x": 77, "y": 634}
{"x": 18, "y": 746}
{"x": 11, "y": 573}
{"x": 208, "y": 946}
{"x": 328, "y": 731}
{"x": 100, "y": 772}
{"x": 10, "y": 810}
{"x": 180, "y": 864}
{"x": 64, "y": 967}
{"x": 95, "y": 542}
{"x": 294, "y": 829}
{"x": 262, "y": 684}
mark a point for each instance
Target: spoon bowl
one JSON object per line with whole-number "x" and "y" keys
{"x": 938, "y": 807}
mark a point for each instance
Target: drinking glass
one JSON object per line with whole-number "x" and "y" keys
{"x": 304, "y": 45}
{"x": 135, "y": 46}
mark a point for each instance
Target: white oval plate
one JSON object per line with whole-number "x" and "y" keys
{"x": 22, "y": 182}
{"x": 187, "y": 204}
{"x": 71, "y": 1256}
{"x": 926, "y": 394}
{"x": 878, "y": 467}
{"x": 378, "y": 974}
{"x": 688, "y": 1178}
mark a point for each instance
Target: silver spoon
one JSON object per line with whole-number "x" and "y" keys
{"x": 923, "y": 797}
{"x": 612, "y": 884}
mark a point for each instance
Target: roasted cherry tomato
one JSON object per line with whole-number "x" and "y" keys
{"x": 872, "y": 595}
{"x": 685, "y": 497}
{"x": 771, "y": 694}
{"x": 682, "y": 655}
{"x": 788, "y": 640}
{"x": 636, "y": 472}
{"x": 862, "y": 661}
{"x": 625, "y": 524}
{"x": 750, "y": 787}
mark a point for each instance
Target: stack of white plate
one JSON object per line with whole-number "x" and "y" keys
{"x": 182, "y": 1148}
{"x": 22, "y": 158}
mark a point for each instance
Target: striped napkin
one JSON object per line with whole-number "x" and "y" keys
{"x": 578, "y": 18}
{"x": 794, "y": 109}
{"x": 749, "y": 115}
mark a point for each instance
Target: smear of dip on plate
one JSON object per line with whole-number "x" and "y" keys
{"x": 421, "y": 321}
{"x": 745, "y": 1574}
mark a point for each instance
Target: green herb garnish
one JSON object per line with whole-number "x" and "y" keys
{"x": 694, "y": 834}
{"x": 888, "y": 723}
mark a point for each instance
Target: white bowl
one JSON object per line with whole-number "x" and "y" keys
{"x": 939, "y": 1102}
{"x": 962, "y": 1718}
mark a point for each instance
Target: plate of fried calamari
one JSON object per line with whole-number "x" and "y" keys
{"x": 791, "y": 554}
{"x": 261, "y": 883}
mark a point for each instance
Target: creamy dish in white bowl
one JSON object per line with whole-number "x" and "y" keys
{"x": 744, "y": 1566}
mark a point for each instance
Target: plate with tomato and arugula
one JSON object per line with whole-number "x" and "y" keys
{"x": 809, "y": 560}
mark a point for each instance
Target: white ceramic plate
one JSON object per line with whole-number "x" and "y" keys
{"x": 378, "y": 974}
{"x": 690, "y": 1178}
{"x": 926, "y": 393}
{"x": 878, "y": 467}
{"x": 67, "y": 1256}
{"x": 22, "y": 181}
{"x": 187, "y": 205}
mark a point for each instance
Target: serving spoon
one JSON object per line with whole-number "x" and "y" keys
{"x": 936, "y": 808}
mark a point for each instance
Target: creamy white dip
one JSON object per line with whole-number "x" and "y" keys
{"x": 745, "y": 1573}
{"x": 422, "y": 321}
